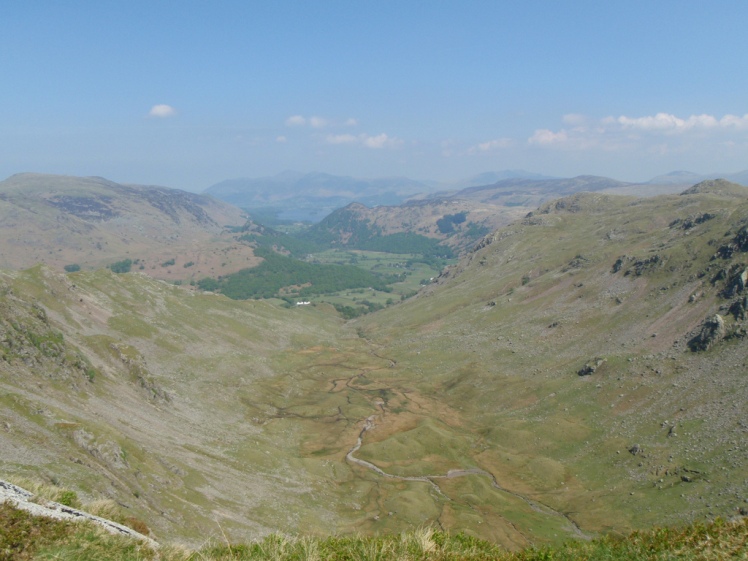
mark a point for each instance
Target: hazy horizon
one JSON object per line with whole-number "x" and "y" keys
{"x": 143, "y": 93}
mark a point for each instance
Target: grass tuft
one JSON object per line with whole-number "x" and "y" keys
{"x": 24, "y": 537}
{"x": 47, "y": 492}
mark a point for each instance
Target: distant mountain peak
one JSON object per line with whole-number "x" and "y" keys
{"x": 676, "y": 177}
{"x": 717, "y": 187}
{"x": 490, "y": 177}
{"x": 682, "y": 177}
{"x": 314, "y": 191}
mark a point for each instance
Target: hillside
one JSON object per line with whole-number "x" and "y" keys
{"x": 92, "y": 222}
{"x": 522, "y": 191}
{"x": 565, "y": 349}
{"x": 171, "y": 403}
{"x": 568, "y": 377}
{"x": 456, "y": 223}
{"x": 457, "y": 219}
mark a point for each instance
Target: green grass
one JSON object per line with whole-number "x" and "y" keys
{"x": 24, "y": 537}
{"x": 355, "y": 282}
{"x": 413, "y": 275}
{"x": 46, "y": 492}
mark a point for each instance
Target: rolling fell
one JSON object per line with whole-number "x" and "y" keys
{"x": 90, "y": 222}
{"x": 581, "y": 371}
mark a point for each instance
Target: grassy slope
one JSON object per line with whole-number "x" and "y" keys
{"x": 500, "y": 340}
{"x": 352, "y": 225}
{"x": 208, "y": 415}
{"x": 184, "y": 421}
{"x": 25, "y": 537}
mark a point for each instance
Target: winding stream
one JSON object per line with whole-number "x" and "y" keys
{"x": 534, "y": 505}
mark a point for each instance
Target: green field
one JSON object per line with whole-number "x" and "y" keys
{"x": 414, "y": 274}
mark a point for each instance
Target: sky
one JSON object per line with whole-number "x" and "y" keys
{"x": 187, "y": 94}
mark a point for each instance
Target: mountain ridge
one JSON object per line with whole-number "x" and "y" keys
{"x": 312, "y": 196}
{"x": 94, "y": 222}
{"x": 293, "y": 188}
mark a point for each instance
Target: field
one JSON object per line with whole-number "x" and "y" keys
{"x": 415, "y": 274}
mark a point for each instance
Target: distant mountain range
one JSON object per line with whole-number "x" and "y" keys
{"x": 456, "y": 217}
{"x": 312, "y": 196}
{"x": 690, "y": 178}
{"x": 489, "y": 177}
{"x": 92, "y": 222}
{"x": 531, "y": 192}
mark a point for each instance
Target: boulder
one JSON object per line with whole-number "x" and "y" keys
{"x": 712, "y": 331}
{"x": 591, "y": 366}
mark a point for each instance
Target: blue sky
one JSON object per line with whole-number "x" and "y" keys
{"x": 186, "y": 94}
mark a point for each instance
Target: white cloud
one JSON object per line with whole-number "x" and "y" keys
{"x": 162, "y": 111}
{"x": 666, "y": 122}
{"x": 281, "y": 139}
{"x": 661, "y": 135}
{"x": 490, "y": 145}
{"x": 574, "y": 119}
{"x": 661, "y": 121}
{"x": 379, "y": 141}
{"x": 318, "y": 122}
{"x": 341, "y": 139}
{"x": 375, "y": 142}
{"x": 734, "y": 121}
{"x": 545, "y": 137}
{"x": 295, "y": 121}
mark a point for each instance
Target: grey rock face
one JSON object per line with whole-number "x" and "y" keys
{"x": 712, "y": 331}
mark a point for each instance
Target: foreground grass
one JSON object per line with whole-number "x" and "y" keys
{"x": 104, "y": 508}
{"x": 23, "y": 536}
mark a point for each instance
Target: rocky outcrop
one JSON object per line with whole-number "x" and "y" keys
{"x": 712, "y": 331}
{"x": 692, "y": 220}
{"x": 738, "y": 244}
{"x": 26, "y": 337}
{"x": 591, "y": 367}
{"x": 737, "y": 280}
{"x": 636, "y": 266}
{"x": 136, "y": 365}
{"x": 738, "y": 308}
{"x": 24, "y": 500}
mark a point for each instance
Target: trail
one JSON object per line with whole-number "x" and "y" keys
{"x": 453, "y": 473}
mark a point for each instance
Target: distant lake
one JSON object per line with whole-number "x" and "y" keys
{"x": 304, "y": 214}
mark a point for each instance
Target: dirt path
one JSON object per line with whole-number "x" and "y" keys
{"x": 534, "y": 505}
